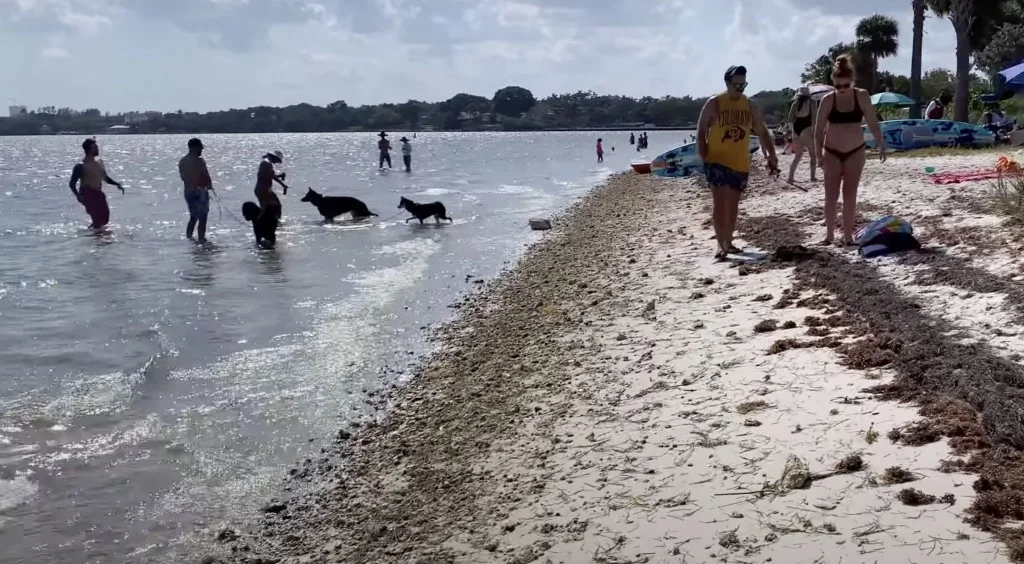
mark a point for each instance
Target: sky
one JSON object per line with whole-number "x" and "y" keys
{"x": 203, "y": 55}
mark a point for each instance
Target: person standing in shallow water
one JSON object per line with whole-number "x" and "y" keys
{"x": 92, "y": 174}
{"x": 600, "y": 151}
{"x": 406, "y": 154}
{"x": 384, "y": 146}
{"x": 723, "y": 142}
{"x": 196, "y": 178}
{"x": 266, "y": 176}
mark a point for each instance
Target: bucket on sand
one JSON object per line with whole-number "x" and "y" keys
{"x": 540, "y": 224}
{"x": 929, "y": 169}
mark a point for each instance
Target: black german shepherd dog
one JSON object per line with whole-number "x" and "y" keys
{"x": 332, "y": 206}
{"x": 264, "y": 223}
{"x": 423, "y": 211}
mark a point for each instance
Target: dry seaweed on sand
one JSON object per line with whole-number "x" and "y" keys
{"x": 896, "y": 475}
{"x": 914, "y": 497}
{"x": 751, "y": 406}
{"x": 766, "y": 326}
{"x": 945, "y": 417}
{"x": 850, "y": 463}
{"x": 771, "y": 231}
{"x": 928, "y": 360}
{"x": 783, "y": 345}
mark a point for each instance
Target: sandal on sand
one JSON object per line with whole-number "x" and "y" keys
{"x": 824, "y": 243}
{"x": 734, "y": 250}
{"x": 720, "y": 256}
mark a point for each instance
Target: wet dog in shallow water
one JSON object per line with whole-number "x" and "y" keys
{"x": 423, "y": 211}
{"x": 264, "y": 224}
{"x": 332, "y": 206}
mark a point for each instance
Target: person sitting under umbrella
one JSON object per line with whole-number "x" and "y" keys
{"x": 996, "y": 121}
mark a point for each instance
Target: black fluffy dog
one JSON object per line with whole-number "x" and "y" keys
{"x": 264, "y": 223}
{"x": 423, "y": 211}
{"x": 332, "y": 206}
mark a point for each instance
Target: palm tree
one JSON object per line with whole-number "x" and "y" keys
{"x": 915, "y": 57}
{"x": 878, "y": 37}
{"x": 961, "y": 13}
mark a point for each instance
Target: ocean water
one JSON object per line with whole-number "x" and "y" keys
{"x": 151, "y": 388}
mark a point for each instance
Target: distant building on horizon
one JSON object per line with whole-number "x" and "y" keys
{"x": 17, "y": 111}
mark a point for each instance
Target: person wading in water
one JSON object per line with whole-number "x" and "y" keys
{"x": 723, "y": 142}
{"x": 196, "y": 178}
{"x": 839, "y": 141}
{"x": 266, "y": 176}
{"x": 406, "y": 153}
{"x": 801, "y": 120}
{"x": 384, "y": 146}
{"x": 92, "y": 174}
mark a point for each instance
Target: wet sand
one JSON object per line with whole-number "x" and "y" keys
{"x": 619, "y": 397}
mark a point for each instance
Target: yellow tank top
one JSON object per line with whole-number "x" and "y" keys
{"x": 729, "y": 135}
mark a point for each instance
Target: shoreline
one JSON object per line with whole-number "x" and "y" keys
{"x": 687, "y": 127}
{"x": 618, "y": 387}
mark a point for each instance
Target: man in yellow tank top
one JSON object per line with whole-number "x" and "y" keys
{"x": 723, "y": 141}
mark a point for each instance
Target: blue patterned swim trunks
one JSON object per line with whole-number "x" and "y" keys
{"x": 719, "y": 175}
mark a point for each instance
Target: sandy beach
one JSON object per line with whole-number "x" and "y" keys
{"x": 619, "y": 397}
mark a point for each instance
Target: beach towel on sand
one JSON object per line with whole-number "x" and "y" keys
{"x": 885, "y": 236}
{"x": 956, "y": 177}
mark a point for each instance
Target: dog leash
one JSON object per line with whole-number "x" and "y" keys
{"x": 385, "y": 220}
{"x": 775, "y": 172}
{"x": 220, "y": 209}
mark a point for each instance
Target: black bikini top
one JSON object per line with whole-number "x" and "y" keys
{"x": 856, "y": 115}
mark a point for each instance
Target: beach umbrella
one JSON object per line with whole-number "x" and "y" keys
{"x": 1014, "y": 77}
{"x": 818, "y": 91}
{"x": 893, "y": 99}
{"x": 996, "y": 96}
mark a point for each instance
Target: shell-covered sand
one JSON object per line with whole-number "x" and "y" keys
{"x": 619, "y": 397}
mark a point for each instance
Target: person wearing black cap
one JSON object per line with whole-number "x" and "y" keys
{"x": 723, "y": 142}
{"x": 406, "y": 154}
{"x": 197, "y": 181}
{"x": 385, "y": 150}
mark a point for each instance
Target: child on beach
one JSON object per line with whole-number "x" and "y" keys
{"x": 600, "y": 151}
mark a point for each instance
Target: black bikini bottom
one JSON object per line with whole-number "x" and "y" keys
{"x": 843, "y": 155}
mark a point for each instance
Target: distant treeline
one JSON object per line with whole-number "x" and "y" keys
{"x": 510, "y": 109}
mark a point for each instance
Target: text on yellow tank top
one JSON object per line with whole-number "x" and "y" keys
{"x": 729, "y": 134}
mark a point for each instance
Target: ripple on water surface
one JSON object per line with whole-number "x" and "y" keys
{"x": 156, "y": 384}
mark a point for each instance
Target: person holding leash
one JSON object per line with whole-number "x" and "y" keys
{"x": 198, "y": 184}
{"x": 723, "y": 141}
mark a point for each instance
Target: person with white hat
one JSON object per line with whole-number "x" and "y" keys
{"x": 265, "y": 178}
{"x": 801, "y": 123}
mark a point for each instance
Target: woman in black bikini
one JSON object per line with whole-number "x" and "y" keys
{"x": 839, "y": 142}
{"x": 801, "y": 120}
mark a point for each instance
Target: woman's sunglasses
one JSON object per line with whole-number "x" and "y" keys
{"x": 843, "y": 86}
{"x": 741, "y": 86}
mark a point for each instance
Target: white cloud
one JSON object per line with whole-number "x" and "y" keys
{"x": 209, "y": 54}
{"x": 55, "y": 53}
